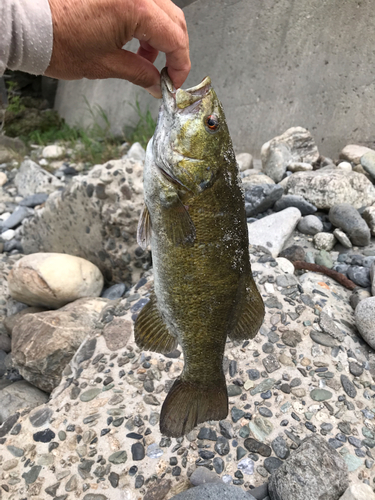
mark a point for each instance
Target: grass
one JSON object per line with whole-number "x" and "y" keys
{"x": 145, "y": 127}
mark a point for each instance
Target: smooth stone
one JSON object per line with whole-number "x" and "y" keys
{"x": 321, "y": 467}
{"x": 368, "y": 215}
{"x": 260, "y": 492}
{"x": 90, "y": 394}
{"x": 255, "y": 446}
{"x": 260, "y": 197}
{"x": 53, "y": 151}
{"x": 347, "y": 218}
{"x": 294, "y": 252}
{"x": 44, "y": 436}
{"x": 245, "y": 161}
{"x": 285, "y": 265}
{"x": 320, "y": 395}
{"x": 222, "y": 446}
{"x": 323, "y": 339}
{"x": 323, "y": 258}
{"x": 263, "y": 386}
{"x": 272, "y": 463}
{"x": 19, "y": 395}
{"x": 114, "y": 292}
{"x": 280, "y": 448}
{"x": 32, "y": 475}
{"x": 291, "y": 338}
{"x": 138, "y": 451}
{"x": 201, "y": 475}
{"x": 311, "y": 224}
{"x": 212, "y": 491}
{"x": 368, "y": 163}
{"x": 359, "y": 275}
{"x": 17, "y": 217}
{"x": 342, "y": 238}
{"x": 291, "y": 200}
{"x": 365, "y": 319}
{"x": 40, "y": 416}
{"x": 352, "y": 462}
{"x": 353, "y": 153}
{"x": 34, "y": 200}
{"x": 280, "y": 226}
{"x": 348, "y": 386}
{"x": 53, "y": 280}
{"x": 119, "y": 457}
{"x": 358, "y": 491}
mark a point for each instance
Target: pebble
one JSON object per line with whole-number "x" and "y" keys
{"x": 359, "y": 275}
{"x": 310, "y": 225}
{"x": 348, "y": 386}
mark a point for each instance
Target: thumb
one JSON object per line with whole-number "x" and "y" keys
{"x": 132, "y": 67}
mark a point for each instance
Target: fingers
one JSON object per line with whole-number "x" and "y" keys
{"x": 145, "y": 50}
{"x": 163, "y": 27}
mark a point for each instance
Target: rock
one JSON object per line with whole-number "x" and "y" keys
{"x": 213, "y": 491}
{"x": 201, "y": 475}
{"x": 34, "y": 200}
{"x": 294, "y": 145}
{"x": 260, "y": 197}
{"x": 358, "y": 491}
{"x": 5, "y": 342}
{"x": 372, "y": 278}
{"x": 273, "y": 231}
{"x": 299, "y": 166}
{"x": 291, "y": 338}
{"x": 136, "y": 152}
{"x": 44, "y": 343}
{"x": 348, "y": 386}
{"x": 31, "y": 179}
{"x": 3, "y": 178}
{"x": 320, "y": 395}
{"x": 291, "y": 200}
{"x": 365, "y": 320}
{"x": 345, "y": 166}
{"x": 328, "y": 187}
{"x": 17, "y": 217}
{"x": 358, "y": 295}
{"x": 96, "y": 218}
{"x": 245, "y": 161}
{"x": 294, "y": 252}
{"x": 323, "y": 258}
{"x": 342, "y": 238}
{"x": 347, "y": 218}
{"x": 10, "y": 321}
{"x": 324, "y": 241}
{"x": 53, "y": 151}
{"x": 368, "y": 163}
{"x": 310, "y": 225}
{"x": 369, "y": 216}
{"x": 354, "y": 153}
{"x": 285, "y": 265}
{"x": 19, "y": 395}
{"x": 359, "y": 275}
{"x": 6, "y": 155}
{"x": 53, "y": 280}
{"x": 323, "y": 470}
{"x": 254, "y": 177}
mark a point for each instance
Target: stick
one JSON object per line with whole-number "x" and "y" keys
{"x": 316, "y": 268}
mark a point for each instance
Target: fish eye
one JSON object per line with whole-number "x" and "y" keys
{"x": 212, "y": 123}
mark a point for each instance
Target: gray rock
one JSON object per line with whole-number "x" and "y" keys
{"x": 359, "y": 275}
{"x": 323, "y": 258}
{"x": 324, "y": 241}
{"x": 310, "y": 225}
{"x": 31, "y": 179}
{"x": 365, "y": 320}
{"x": 3, "y": 369}
{"x": 201, "y": 475}
{"x": 354, "y": 153}
{"x": 245, "y": 161}
{"x": 369, "y": 216}
{"x": 294, "y": 145}
{"x": 260, "y": 492}
{"x": 96, "y": 217}
{"x": 292, "y": 200}
{"x": 34, "y": 200}
{"x": 342, "y": 238}
{"x": 274, "y": 230}
{"x": 328, "y": 187}
{"x": 214, "y": 491}
{"x": 323, "y": 470}
{"x": 347, "y": 218}
{"x": 17, "y": 217}
{"x": 358, "y": 295}
{"x": 280, "y": 448}
{"x": 260, "y": 197}
{"x": 328, "y": 325}
{"x": 372, "y": 278}
{"x": 348, "y": 386}
{"x": 114, "y": 292}
{"x": 19, "y": 395}
{"x": 368, "y": 163}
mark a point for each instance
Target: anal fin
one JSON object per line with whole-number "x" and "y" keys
{"x": 151, "y": 332}
{"x": 251, "y": 316}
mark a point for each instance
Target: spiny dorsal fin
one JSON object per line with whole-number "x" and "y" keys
{"x": 144, "y": 229}
{"x": 252, "y": 315}
{"x": 150, "y": 331}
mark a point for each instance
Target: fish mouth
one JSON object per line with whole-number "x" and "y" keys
{"x": 181, "y": 99}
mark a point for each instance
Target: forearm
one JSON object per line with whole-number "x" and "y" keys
{"x": 25, "y": 35}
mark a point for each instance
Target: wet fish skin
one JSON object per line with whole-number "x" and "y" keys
{"x": 196, "y": 222}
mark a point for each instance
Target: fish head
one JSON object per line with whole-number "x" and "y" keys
{"x": 192, "y": 145}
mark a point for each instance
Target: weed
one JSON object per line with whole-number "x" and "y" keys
{"x": 145, "y": 127}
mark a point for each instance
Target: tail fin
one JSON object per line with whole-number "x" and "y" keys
{"x": 188, "y": 405}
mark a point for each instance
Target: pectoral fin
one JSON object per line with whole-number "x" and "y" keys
{"x": 251, "y": 315}
{"x": 144, "y": 229}
{"x": 179, "y": 226}
{"x": 150, "y": 331}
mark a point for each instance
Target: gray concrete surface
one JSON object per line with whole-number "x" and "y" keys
{"x": 274, "y": 64}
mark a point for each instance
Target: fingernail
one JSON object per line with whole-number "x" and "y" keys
{"x": 155, "y": 90}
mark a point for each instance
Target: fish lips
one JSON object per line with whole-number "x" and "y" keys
{"x": 181, "y": 100}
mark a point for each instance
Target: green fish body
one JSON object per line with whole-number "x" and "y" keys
{"x": 196, "y": 223}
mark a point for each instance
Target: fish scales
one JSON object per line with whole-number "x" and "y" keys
{"x": 196, "y": 222}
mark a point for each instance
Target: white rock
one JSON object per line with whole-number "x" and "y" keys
{"x": 53, "y": 280}
{"x": 31, "y": 179}
{"x": 272, "y": 231}
{"x": 3, "y": 178}
{"x": 365, "y": 320}
{"x": 353, "y": 153}
{"x": 5, "y": 215}
{"x": 359, "y": 491}
{"x": 342, "y": 238}
{"x": 258, "y": 178}
{"x": 7, "y": 235}
{"x": 53, "y": 151}
{"x": 136, "y": 152}
{"x": 345, "y": 166}
{"x": 324, "y": 241}
{"x": 299, "y": 166}
{"x": 285, "y": 265}
{"x": 245, "y": 161}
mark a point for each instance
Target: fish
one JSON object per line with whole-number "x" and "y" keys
{"x": 195, "y": 222}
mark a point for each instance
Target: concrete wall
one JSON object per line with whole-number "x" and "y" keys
{"x": 274, "y": 64}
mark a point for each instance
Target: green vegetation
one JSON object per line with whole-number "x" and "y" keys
{"x": 91, "y": 145}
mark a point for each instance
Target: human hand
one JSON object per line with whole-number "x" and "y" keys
{"x": 88, "y": 36}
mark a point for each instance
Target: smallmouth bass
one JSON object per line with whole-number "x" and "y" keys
{"x": 195, "y": 220}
